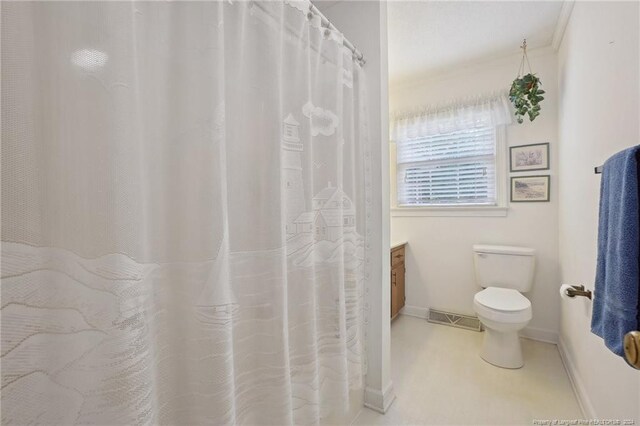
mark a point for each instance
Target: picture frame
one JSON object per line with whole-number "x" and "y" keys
{"x": 528, "y": 189}
{"x": 526, "y": 158}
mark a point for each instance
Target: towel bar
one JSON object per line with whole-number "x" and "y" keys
{"x": 597, "y": 170}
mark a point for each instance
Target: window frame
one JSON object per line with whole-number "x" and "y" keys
{"x": 498, "y": 209}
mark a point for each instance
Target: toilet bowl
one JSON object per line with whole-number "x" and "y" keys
{"x": 504, "y": 273}
{"x": 503, "y": 312}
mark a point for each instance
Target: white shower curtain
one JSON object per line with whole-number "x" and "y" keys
{"x": 184, "y": 214}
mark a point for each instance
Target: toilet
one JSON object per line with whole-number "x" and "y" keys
{"x": 504, "y": 272}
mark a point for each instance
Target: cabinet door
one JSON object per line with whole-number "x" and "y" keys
{"x": 400, "y": 286}
{"x": 397, "y": 256}
{"x": 394, "y": 294}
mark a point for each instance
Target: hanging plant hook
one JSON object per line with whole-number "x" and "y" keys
{"x": 525, "y": 93}
{"x": 525, "y": 57}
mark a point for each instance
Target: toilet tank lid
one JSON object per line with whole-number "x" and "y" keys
{"x": 516, "y": 251}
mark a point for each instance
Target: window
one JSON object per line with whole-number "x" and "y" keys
{"x": 455, "y": 168}
{"x": 450, "y": 159}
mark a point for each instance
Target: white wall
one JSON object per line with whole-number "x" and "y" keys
{"x": 364, "y": 23}
{"x": 599, "y": 91}
{"x": 439, "y": 256}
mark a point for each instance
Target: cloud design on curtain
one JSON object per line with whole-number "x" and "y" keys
{"x": 323, "y": 121}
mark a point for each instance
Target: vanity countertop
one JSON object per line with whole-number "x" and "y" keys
{"x": 397, "y": 244}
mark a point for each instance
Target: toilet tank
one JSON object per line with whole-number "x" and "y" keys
{"x": 504, "y": 266}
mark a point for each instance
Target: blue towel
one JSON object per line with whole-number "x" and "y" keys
{"x": 616, "y": 305}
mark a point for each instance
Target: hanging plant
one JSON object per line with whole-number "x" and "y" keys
{"x": 525, "y": 93}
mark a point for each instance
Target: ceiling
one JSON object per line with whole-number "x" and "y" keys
{"x": 429, "y": 37}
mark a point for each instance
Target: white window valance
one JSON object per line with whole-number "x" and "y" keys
{"x": 488, "y": 111}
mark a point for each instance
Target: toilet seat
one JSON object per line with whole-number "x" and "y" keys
{"x": 502, "y": 305}
{"x": 502, "y": 299}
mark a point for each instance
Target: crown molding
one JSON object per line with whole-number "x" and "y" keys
{"x": 464, "y": 68}
{"x": 561, "y": 24}
{"x": 443, "y": 73}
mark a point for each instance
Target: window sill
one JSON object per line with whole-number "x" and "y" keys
{"x": 450, "y": 211}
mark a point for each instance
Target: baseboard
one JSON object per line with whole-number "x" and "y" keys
{"x": 415, "y": 311}
{"x": 539, "y": 334}
{"x": 377, "y": 400}
{"x": 578, "y": 387}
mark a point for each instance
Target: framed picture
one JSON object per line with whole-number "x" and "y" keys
{"x": 526, "y": 158}
{"x": 529, "y": 188}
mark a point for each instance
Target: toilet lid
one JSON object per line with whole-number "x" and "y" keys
{"x": 502, "y": 299}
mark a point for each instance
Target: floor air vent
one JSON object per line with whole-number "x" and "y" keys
{"x": 454, "y": 320}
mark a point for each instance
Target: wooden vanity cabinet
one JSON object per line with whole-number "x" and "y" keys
{"x": 397, "y": 280}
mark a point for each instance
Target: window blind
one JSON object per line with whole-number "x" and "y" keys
{"x": 452, "y": 168}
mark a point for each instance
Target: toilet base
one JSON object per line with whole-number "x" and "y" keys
{"x": 502, "y": 348}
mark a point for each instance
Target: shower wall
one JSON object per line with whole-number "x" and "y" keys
{"x": 365, "y": 24}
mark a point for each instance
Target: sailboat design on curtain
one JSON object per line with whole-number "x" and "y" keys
{"x": 217, "y": 303}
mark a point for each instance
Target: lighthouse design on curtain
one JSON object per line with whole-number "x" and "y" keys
{"x": 332, "y": 214}
{"x": 292, "y": 169}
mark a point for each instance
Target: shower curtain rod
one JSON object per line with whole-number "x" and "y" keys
{"x": 357, "y": 55}
{"x": 324, "y": 23}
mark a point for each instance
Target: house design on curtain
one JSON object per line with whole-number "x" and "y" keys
{"x": 332, "y": 214}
